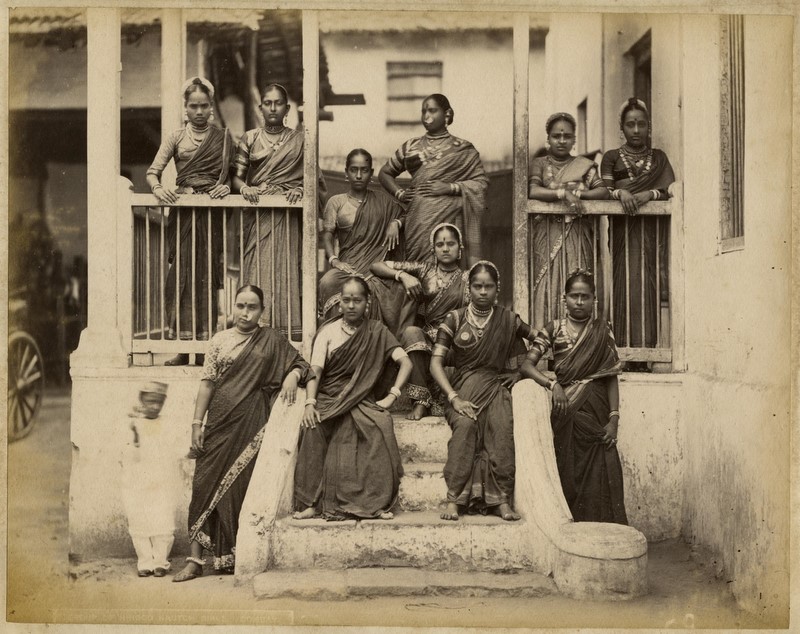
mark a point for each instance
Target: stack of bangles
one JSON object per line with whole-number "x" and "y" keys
{"x": 612, "y": 413}
{"x": 197, "y": 422}
{"x": 452, "y": 396}
{"x": 616, "y": 194}
{"x": 561, "y": 193}
{"x": 455, "y": 189}
{"x": 399, "y": 193}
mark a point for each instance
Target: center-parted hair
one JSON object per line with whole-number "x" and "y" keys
{"x": 252, "y": 288}
{"x": 198, "y": 84}
{"x": 560, "y": 116}
{"x": 359, "y": 151}
{"x": 579, "y": 275}
{"x": 360, "y": 281}
{"x": 277, "y": 87}
{"x": 444, "y": 103}
{"x": 484, "y": 266}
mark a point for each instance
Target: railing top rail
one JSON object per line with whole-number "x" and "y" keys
{"x": 204, "y": 200}
{"x": 599, "y": 208}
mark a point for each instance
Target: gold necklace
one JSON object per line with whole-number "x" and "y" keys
{"x": 441, "y": 280}
{"x": 348, "y": 329}
{"x": 474, "y": 319}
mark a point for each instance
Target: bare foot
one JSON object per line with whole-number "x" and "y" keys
{"x": 451, "y": 512}
{"x": 191, "y": 571}
{"x": 306, "y": 514}
{"x": 504, "y": 511}
{"x": 388, "y": 515}
{"x": 419, "y": 411}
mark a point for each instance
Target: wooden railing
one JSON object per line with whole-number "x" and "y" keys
{"x": 161, "y": 321}
{"x": 640, "y": 303}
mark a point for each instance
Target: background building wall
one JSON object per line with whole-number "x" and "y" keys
{"x": 737, "y": 319}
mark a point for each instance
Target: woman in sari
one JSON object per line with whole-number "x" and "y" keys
{"x": 635, "y": 174}
{"x": 367, "y": 225}
{"x": 558, "y": 247}
{"x": 585, "y": 414}
{"x": 348, "y": 463}
{"x": 448, "y": 183}
{"x": 247, "y": 368}
{"x": 439, "y": 288}
{"x": 481, "y": 337}
{"x": 202, "y": 154}
{"x": 269, "y": 161}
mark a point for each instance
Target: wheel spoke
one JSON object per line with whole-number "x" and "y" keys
{"x": 26, "y": 406}
{"x": 30, "y": 367}
{"x": 12, "y": 411}
{"x": 25, "y": 351}
{"x": 28, "y": 381}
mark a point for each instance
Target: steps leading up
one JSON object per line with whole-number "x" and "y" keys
{"x": 412, "y": 539}
{"x": 423, "y": 440}
{"x": 422, "y": 487}
{"x": 326, "y": 585}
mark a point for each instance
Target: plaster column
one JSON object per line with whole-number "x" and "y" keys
{"x": 101, "y": 343}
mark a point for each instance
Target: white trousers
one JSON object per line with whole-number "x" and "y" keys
{"x": 153, "y": 552}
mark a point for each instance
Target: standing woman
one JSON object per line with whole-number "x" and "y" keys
{"x": 439, "y": 288}
{"x": 348, "y": 463}
{"x": 448, "y": 182}
{"x": 247, "y": 367}
{"x": 269, "y": 161}
{"x": 635, "y": 174}
{"x": 585, "y": 413}
{"x": 480, "y": 466}
{"x": 572, "y": 179}
{"x": 202, "y": 154}
{"x": 367, "y": 225}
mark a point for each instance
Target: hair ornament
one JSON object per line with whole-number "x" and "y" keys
{"x": 194, "y": 81}
{"x": 448, "y": 225}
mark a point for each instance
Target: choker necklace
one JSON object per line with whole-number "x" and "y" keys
{"x": 348, "y": 329}
{"x": 443, "y": 277}
{"x": 579, "y": 321}
{"x": 629, "y": 150}
{"x": 478, "y": 318}
{"x": 191, "y": 129}
{"x": 358, "y": 200}
{"x": 274, "y": 129}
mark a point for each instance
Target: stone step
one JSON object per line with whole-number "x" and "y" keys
{"x": 328, "y": 585}
{"x": 412, "y": 539}
{"x": 423, "y": 440}
{"x": 422, "y": 487}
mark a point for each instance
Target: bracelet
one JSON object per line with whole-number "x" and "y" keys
{"x": 452, "y": 396}
{"x": 395, "y": 391}
{"x": 577, "y": 193}
{"x": 399, "y": 222}
{"x": 552, "y": 384}
{"x": 155, "y": 187}
{"x": 615, "y": 194}
{"x": 397, "y": 275}
{"x": 561, "y": 193}
{"x": 399, "y": 193}
{"x": 656, "y": 194}
{"x": 332, "y": 258}
{"x": 612, "y": 413}
{"x": 310, "y": 401}
{"x": 197, "y": 422}
{"x": 297, "y": 373}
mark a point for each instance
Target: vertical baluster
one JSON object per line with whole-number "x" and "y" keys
{"x": 658, "y": 282}
{"x": 209, "y": 279}
{"x": 548, "y": 309}
{"x": 258, "y": 248}
{"x": 273, "y": 290}
{"x": 594, "y": 233}
{"x": 176, "y": 211}
{"x": 241, "y": 246}
{"x": 564, "y": 272}
{"x": 531, "y": 268}
{"x": 147, "y": 272}
{"x": 642, "y": 285}
{"x": 289, "y": 288}
{"x": 627, "y": 287}
{"x": 577, "y": 229}
{"x": 223, "y": 310}
{"x": 194, "y": 273}
{"x": 161, "y": 278}
{"x": 610, "y": 270}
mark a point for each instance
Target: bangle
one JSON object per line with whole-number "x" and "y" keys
{"x": 310, "y": 401}
{"x": 561, "y": 193}
{"x": 399, "y": 193}
{"x": 655, "y": 193}
{"x": 332, "y": 258}
{"x": 399, "y": 222}
{"x": 615, "y": 194}
{"x": 612, "y": 413}
{"x": 397, "y": 275}
{"x": 452, "y": 396}
{"x": 395, "y": 391}
{"x": 577, "y": 193}
{"x": 297, "y": 373}
{"x": 155, "y": 187}
{"x": 197, "y": 422}
{"x": 552, "y": 384}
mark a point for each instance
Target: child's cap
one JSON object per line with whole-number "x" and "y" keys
{"x": 154, "y": 387}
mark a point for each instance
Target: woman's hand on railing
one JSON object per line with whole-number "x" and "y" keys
{"x": 574, "y": 203}
{"x": 411, "y": 284}
{"x": 250, "y": 194}
{"x": 219, "y": 191}
{"x": 294, "y": 195}
{"x": 289, "y": 388}
{"x": 310, "y": 417}
{"x": 433, "y": 188}
{"x": 166, "y": 195}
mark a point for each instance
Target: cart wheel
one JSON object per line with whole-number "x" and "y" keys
{"x": 25, "y": 384}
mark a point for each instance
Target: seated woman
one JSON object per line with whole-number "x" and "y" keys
{"x": 439, "y": 288}
{"x": 635, "y": 174}
{"x": 480, "y": 455}
{"x": 585, "y": 414}
{"x": 558, "y": 247}
{"x": 246, "y": 369}
{"x": 367, "y": 225}
{"x": 348, "y": 464}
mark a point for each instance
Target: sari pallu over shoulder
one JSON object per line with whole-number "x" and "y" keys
{"x": 210, "y": 164}
{"x": 237, "y": 415}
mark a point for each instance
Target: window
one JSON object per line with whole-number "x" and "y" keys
{"x": 732, "y": 131}
{"x": 581, "y": 133}
{"x": 642, "y": 77}
{"x": 408, "y": 84}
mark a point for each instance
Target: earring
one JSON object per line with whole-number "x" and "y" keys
{"x": 495, "y": 301}
{"x": 211, "y": 116}
{"x": 621, "y": 136}
{"x": 285, "y": 119}
{"x": 460, "y": 252}
{"x": 339, "y": 308}
{"x": 547, "y": 145}
{"x": 185, "y": 117}
{"x": 573, "y": 151}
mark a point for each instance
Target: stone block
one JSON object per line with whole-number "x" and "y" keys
{"x": 422, "y": 487}
{"x": 423, "y": 440}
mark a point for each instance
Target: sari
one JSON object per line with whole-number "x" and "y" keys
{"x": 198, "y": 171}
{"x": 640, "y": 235}
{"x": 455, "y": 161}
{"x": 359, "y": 247}
{"x": 480, "y": 466}
{"x": 349, "y": 465}
{"x": 590, "y": 472}
{"x": 271, "y": 237}
{"x": 560, "y": 248}
{"x": 237, "y": 415}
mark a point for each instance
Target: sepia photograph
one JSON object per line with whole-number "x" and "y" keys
{"x": 410, "y": 315}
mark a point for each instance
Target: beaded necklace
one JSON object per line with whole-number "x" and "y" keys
{"x": 633, "y": 165}
{"x": 274, "y": 145}
{"x": 479, "y": 318}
